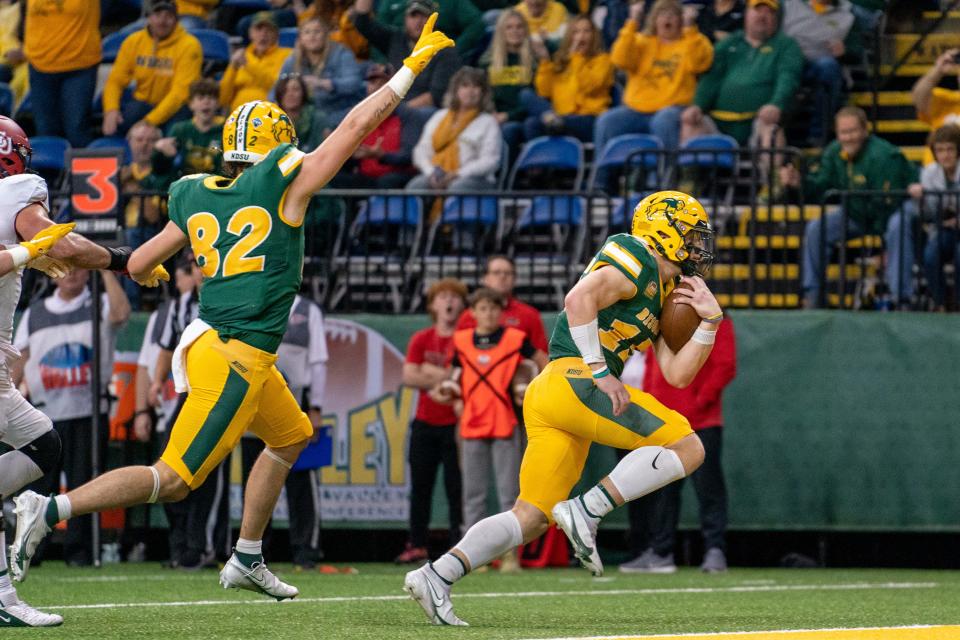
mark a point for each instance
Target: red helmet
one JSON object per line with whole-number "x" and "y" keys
{"x": 14, "y": 148}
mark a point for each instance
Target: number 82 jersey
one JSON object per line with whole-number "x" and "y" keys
{"x": 251, "y": 258}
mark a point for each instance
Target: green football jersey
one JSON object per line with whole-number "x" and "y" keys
{"x": 251, "y": 258}
{"x": 627, "y": 325}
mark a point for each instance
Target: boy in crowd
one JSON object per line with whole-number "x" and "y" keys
{"x": 489, "y": 356}
{"x": 196, "y": 141}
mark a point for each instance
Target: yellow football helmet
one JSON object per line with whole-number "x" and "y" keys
{"x": 253, "y": 129}
{"x": 676, "y": 226}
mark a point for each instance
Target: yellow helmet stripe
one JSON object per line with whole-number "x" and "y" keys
{"x": 242, "y": 121}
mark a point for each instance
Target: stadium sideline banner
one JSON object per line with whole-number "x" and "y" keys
{"x": 836, "y": 421}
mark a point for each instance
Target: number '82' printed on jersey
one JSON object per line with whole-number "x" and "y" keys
{"x": 232, "y": 251}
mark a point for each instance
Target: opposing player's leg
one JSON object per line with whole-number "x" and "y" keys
{"x": 552, "y": 464}
{"x": 285, "y": 429}
{"x": 663, "y": 448}
{"x": 221, "y": 404}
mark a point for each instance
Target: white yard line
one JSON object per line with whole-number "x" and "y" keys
{"x": 858, "y": 586}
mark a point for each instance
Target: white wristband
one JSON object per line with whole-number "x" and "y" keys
{"x": 20, "y": 255}
{"x": 704, "y": 337}
{"x": 587, "y": 339}
{"x": 402, "y": 81}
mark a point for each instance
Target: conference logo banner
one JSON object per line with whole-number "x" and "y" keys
{"x": 369, "y": 411}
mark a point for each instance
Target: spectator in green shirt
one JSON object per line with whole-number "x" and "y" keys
{"x": 754, "y": 76}
{"x": 511, "y": 68}
{"x": 859, "y": 161}
{"x": 196, "y": 142}
{"x": 459, "y": 19}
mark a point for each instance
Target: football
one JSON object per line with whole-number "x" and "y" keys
{"x": 677, "y": 321}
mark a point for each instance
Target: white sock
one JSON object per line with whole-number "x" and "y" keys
{"x": 253, "y": 547}
{"x": 645, "y": 470}
{"x": 597, "y": 502}
{"x": 18, "y": 470}
{"x": 488, "y": 539}
{"x": 8, "y": 595}
{"x": 64, "y": 510}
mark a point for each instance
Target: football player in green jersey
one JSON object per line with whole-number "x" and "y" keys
{"x": 578, "y": 398}
{"x": 246, "y": 233}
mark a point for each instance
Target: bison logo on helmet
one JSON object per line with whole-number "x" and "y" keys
{"x": 6, "y": 144}
{"x": 668, "y": 205}
{"x": 283, "y": 129}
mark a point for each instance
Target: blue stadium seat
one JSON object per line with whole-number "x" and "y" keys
{"x": 400, "y": 210}
{"x": 49, "y": 153}
{"x": 113, "y": 142}
{"x": 623, "y": 212}
{"x": 215, "y": 44}
{"x": 619, "y": 148}
{"x": 110, "y": 45}
{"x": 550, "y": 210}
{"x": 259, "y": 5}
{"x": 24, "y": 109}
{"x": 711, "y": 150}
{"x": 288, "y": 37}
{"x": 549, "y": 152}
{"x": 6, "y": 99}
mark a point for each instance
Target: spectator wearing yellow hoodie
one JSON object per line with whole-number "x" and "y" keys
{"x": 254, "y": 70}
{"x": 662, "y": 65}
{"x": 577, "y": 81}
{"x": 162, "y": 60}
{"x": 61, "y": 41}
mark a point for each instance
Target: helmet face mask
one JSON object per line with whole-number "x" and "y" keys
{"x": 253, "y": 130}
{"x": 699, "y": 243}
{"x": 15, "y": 150}
{"x": 676, "y": 226}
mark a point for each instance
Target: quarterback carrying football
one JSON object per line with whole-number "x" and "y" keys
{"x": 578, "y": 398}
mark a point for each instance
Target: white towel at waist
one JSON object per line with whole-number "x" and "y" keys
{"x": 193, "y": 331}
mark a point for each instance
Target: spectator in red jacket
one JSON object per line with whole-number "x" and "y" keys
{"x": 659, "y": 512}
{"x": 501, "y": 275}
{"x": 379, "y": 162}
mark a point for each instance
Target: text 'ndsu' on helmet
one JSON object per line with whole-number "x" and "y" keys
{"x": 254, "y": 129}
{"x": 676, "y": 226}
{"x": 15, "y": 148}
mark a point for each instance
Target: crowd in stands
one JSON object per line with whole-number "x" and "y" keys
{"x": 591, "y": 70}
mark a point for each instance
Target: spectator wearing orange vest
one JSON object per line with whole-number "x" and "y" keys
{"x": 489, "y": 357}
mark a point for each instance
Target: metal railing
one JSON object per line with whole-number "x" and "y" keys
{"x": 378, "y": 251}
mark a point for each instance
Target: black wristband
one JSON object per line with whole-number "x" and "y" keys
{"x": 119, "y": 257}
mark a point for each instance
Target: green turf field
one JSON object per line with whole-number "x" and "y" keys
{"x": 137, "y": 601}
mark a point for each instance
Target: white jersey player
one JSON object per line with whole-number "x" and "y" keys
{"x": 24, "y": 206}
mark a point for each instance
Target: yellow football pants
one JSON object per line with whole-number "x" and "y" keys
{"x": 233, "y": 388}
{"x": 564, "y": 412}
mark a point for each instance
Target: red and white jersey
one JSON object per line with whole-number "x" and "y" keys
{"x": 16, "y": 193}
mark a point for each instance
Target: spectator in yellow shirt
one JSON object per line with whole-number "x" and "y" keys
{"x": 662, "y": 65}
{"x": 195, "y": 14}
{"x": 577, "y": 81}
{"x": 254, "y": 70}
{"x": 162, "y": 60}
{"x": 546, "y": 18}
{"x": 61, "y": 41}
{"x": 13, "y": 67}
{"x": 935, "y": 105}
